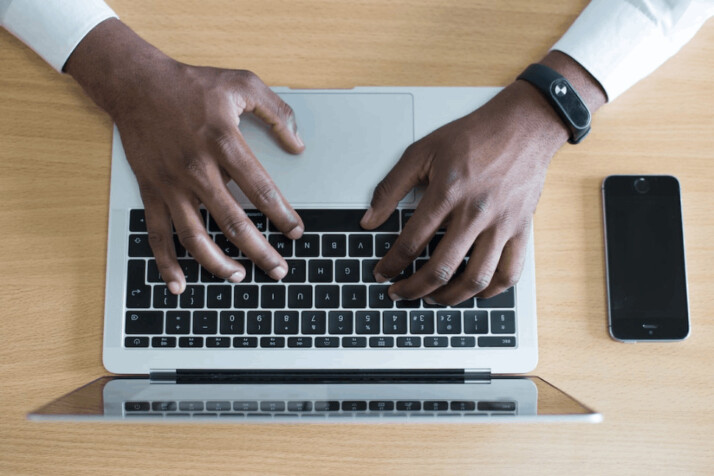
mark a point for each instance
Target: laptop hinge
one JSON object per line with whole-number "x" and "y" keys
{"x": 321, "y": 376}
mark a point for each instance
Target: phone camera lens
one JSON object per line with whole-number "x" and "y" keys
{"x": 642, "y": 185}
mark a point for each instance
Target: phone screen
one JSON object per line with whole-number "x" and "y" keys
{"x": 645, "y": 257}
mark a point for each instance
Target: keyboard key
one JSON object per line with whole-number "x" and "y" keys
{"x": 192, "y": 297}
{"x": 462, "y": 341}
{"x": 335, "y": 220}
{"x": 286, "y": 322}
{"x": 190, "y": 270}
{"x": 191, "y": 406}
{"x": 258, "y": 219}
{"x": 476, "y": 322}
{"x": 180, "y": 250}
{"x": 436, "y": 405}
{"x": 300, "y": 406}
{"x": 272, "y": 296}
{"x": 178, "y": 322}
{"x": 245, "y": 406}
{"x": 282, "y": 244}
{"x": 334, "y": 246}
{"x": 497, "y": 341}
{"x": 354, "y": 296}
{"x": 300, "y": 342}
{"x": 247, "y": 342}
{"x": 152, "y": 272}
{"x": 191, "y": 342}
{"x": 347, "y": 271}
{"x": 381, "y": 342}
{"x": 308, "y": 246}
{"x": 245, "y": 296}
{"x": 503, "y": 322}
{"x": 137, "y": 222}
{"x": 434, "y": 242}
{"x": 163, "y": 299}
{"x": 218, "y": 406}
{"x": 505, "y": 299}
{"x": 408, "y": 405}
{"x": 354, "y": 405}
{"x": 368, "y": 270}
{"x": 360, "y": 245}
{"x": 394, "y": 322}
{"x": 409, "y": 304}
{"x": 144, "y": 322}
{"x": 378, "y": 297}
{"x": 262, "y": 277}
{"x": 409, "y": 341}
{"x": 218, "y": 341}
{"x": 367, "y": 322}
{"x": 467, "y": 304}
{"x": 136, "y": 342}
{"x": 219, "y": 296}
{"x": 340, "y": 322}
{"x": 227, "y": 246}
{"x": 272, "y": 342}
{"x": 448, "y": 322}
{"x": 208, "y": 277}
{"x": 327, "y": 406}
{"x": 433, "y": 341}
{"x": 163, "y": 342}
{"x": 384, "y": 242}
{"x": 496, "y": 406}
{"x": 139, "y": 246}
{"x": 463, "y": 406}
{"x": 299, "y": 297}
{"x": 138, "y": 294}
{"x": 313, "y": 322}
{"x": 323, "y": 342}
{"x": 272, "y": 406}
{"x": 137, "y": 406}
{"x": 320, "y": 271}
{"x": 327, "y": 297}
{"x": 259, "y": 322}
{"x": 205, "y": 322}
{"x": 296, "y": 271}
{"x": 421, "y": 322}
{"x": 232, "y": 322}
{"x": 352, "y": 342}
{"x": 381, "y": 406}
{"x": 164, "y": 406}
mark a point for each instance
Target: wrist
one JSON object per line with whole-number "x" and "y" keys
{"x": 112, "y": 64}
{"x": 584, "y": 83}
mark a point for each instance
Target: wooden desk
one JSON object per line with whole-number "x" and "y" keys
{"x": 54, "y": 177}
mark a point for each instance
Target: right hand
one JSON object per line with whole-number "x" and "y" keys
{"x": 179, "y": 128}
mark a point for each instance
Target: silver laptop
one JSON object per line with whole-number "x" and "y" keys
{"x": 328, "y": 325}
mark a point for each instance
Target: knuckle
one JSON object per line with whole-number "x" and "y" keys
{"x": 190, "y": 238}
{"x": 194, "y": 167}
{"x": 236, "y": 228}
{"x": 477, "y": 283}
{"x": 440, "y": 275}
{"x": 285, "y": 111}
{"x": 406, "y": 249}
{"x": 264, "y": 194}
{"x": 157, "y": 241}
{"x": 381, "y": 191}
{"x": 247, "y": 77}
{"x": 508, "y": 278}
{"x": 478, "y": 206}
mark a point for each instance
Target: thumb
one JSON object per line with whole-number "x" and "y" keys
{"x": 279, "y": 116}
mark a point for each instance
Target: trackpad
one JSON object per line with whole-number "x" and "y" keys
{"x": 352, "y": 140}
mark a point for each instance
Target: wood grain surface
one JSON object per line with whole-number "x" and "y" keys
{"x": 54, "y": 179}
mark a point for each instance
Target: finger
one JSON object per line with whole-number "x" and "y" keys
{"x": 478, "y": 273}
{"x": 241, "y": 230}
{"x": 158, "y": 225}
{"x": 510, "y": 266}
{"x": 240, "y": 163}
{"x": 192, "y": 235}
{"x": 420, "y": 228}
{"x": 446, "y": 259}
{"x": 394, "y": 186}
{"x": 268, "y": 106}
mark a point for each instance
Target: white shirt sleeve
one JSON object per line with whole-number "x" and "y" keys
{"x": 620, "y": 42}
{"x": 53, "y": 28}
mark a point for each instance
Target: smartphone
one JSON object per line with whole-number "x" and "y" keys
{"x": 644, "y": 257}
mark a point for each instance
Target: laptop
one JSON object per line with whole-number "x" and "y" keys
{"x": 325, "y": 343}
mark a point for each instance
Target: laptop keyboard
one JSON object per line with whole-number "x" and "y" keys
{"x": 328, "y": 299}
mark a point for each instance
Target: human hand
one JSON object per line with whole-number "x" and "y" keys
{"x": 484, "y": 174}
{"x": 179, "y": 128}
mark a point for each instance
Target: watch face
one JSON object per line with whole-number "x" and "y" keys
{"x": 574, "y": 109}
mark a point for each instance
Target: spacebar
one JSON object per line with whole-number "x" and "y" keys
{"x": 343, "y": 220}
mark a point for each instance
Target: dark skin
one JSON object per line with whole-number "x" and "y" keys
{"x": 179, "y": 125}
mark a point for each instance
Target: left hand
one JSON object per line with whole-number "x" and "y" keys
{"x": 484, "y": 174}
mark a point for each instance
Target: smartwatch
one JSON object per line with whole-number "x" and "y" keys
{"x": 563, "y": 97}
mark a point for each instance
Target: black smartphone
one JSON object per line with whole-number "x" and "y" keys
{"x": 644, "y": 255}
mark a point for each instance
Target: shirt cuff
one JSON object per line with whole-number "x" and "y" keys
{"x": 54, "y": 28}
{"x": 619, "y": 43}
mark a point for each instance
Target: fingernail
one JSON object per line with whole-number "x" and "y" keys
{"x": 429, "y": 300}
{"x": 367, "y": 215}
{"x": 299, "y": 139}
{"x": 278, "y": 272}
{"x": 295, "y": 233}
{"x": 380, "y": 277}
{"x": 175, "y": 287}
{"x": 395, "y": 297}
{"x": 237, "y": 277}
